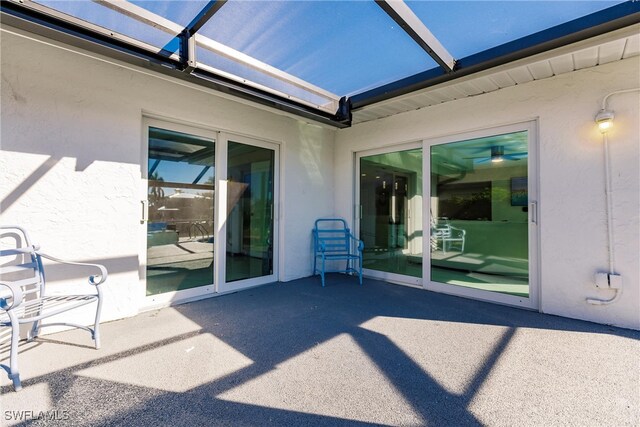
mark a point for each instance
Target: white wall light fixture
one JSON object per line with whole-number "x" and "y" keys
{"x": 604, "y": 119}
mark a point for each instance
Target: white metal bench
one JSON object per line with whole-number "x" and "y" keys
{"x": 23, "y": 298}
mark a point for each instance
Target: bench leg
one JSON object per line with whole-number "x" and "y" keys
{"x": 35, "y": 329}
{"x": 96, "y": 325}
{"x": 34, "y": 332}
{"x": 14, "y": 374}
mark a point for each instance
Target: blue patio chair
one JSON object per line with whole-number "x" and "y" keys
{"x": 333, "y": 241}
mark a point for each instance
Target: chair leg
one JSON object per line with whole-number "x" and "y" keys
{"x": 14, "y": 374}
{"x": 322, "y": 272}
{"x": 360, "y": 271}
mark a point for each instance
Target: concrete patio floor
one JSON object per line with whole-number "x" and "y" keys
{"x": 299, "y": 354}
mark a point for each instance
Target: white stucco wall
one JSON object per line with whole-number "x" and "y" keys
{"x": 573, "y": 240}
{"x": 70, "y": 160}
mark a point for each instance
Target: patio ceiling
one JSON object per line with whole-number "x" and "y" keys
{"x": 611, "y": 47}
{"x": 335, "y": 61}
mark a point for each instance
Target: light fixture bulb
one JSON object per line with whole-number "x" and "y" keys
{"x": 604, "y": 119}
{"x": 497, "y": 154}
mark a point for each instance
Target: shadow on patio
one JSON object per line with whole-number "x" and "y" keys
{"x": 298, "y": 354}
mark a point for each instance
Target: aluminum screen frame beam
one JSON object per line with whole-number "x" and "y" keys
{"x": 142, "y": 15}
{"x": 607, "y": 20}
{"x": 205, "y": 14}
{"x": 122, "y": 48}
{"x": 187, "y": 36}
{"x": 415, "y": 28}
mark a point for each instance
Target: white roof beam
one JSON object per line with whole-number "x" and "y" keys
{"x": 415, "y": 28}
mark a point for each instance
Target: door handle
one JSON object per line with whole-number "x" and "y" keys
{"x": 533, "y": 209}
{"x": 144, "y": 212}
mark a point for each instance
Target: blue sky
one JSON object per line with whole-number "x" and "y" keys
{"x": 344, "y": 47}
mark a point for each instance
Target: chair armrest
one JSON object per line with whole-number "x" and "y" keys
{"x": 460, "y": 230}
{"x": 92, "y": 279}
{"x": 16, "y": 296}
{"x": 360, "y": 242}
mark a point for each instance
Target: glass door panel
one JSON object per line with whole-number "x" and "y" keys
{"x": 250, "y": 208}
{"x": 181, "y": 179}
{"x": 391, "y": 212}
{"x": 479, "y": 214}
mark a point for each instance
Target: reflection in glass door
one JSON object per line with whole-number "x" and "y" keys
{"x": 391, "y": 212}
{"x": 250, "y": 206}
{"x": 479, "y": 214}
{"x": 180, "y": 231}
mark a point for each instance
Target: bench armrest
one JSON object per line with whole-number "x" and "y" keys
{"x": 93, "y": 280}
{"x": 24, "y": 250}
{"x": 16, "y": 296}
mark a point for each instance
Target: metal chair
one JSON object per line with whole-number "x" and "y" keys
{"x": 333, "y": 241}
{"x": 23, "y": 297}
{"x": 442, "y": 231}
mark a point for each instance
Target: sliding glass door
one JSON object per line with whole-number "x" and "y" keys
{"x": 482, "y": 216}
{"x": 390, "y": 217}
{"x": 181, "y": 177}
{"x": 477, "y": 199}
{"x": 209, "y": 212}
{"x": 251, "y": 174}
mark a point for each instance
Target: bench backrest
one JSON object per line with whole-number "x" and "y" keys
{"x": 19, "y": 263}
{"x": 332, "y": 234}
